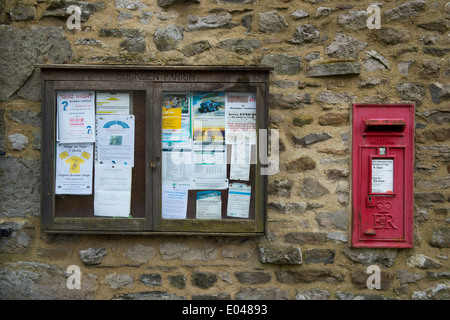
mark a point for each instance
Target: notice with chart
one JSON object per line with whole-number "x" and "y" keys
{"x": 76, "y": 116}
{"x": 209, "y": 205}
{"x": 74, "y": 164}
{"x": 112, "y": 194}
{"x": 382, "y": 175}
{"x": 238, "y": 200}
{"x": 115, "y": 139}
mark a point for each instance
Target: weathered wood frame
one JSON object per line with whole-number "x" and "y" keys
{"x": 153, "y": 81}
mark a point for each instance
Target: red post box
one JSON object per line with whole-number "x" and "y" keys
{"x": 382, "y": 175}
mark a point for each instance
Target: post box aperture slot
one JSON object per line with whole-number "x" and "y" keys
{"x": 385, "y": 126}
{"x": 381, "y": 180}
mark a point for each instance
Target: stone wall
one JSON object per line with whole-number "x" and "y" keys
{"x": 324, "y": 59}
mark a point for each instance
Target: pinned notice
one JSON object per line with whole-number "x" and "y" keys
{"x": 74, "y": 168}
{"x": 115, "y": 140}
{"x": 76, "y": 116}
{"x": 113, "y": 103}
{"x": 239, "y": 200}
{"x": 112, "y": 196}
{"x": 382, "y": 175}
{"x": 209, "y": 205}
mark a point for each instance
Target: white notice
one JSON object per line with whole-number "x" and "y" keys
{"x": 382, "y": 175}
{"x": 209, "y": 205}
{"x": 174, "y": 202}
{"x": 74, "y": 164}
{"x": 76, "y": 116}
{"x": 112, "y": 196}
{"x": 239, "y": 200}
{"x": 115, "y": 140}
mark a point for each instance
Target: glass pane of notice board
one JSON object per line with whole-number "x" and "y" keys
{"x": 147, "y": 150}
{"x": 208, "y": 140}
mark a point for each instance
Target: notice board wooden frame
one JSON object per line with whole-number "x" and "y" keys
{"x": 148, "y": 83}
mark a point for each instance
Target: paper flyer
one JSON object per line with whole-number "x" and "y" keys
{"x": 112, "y": 194}
{"x": 210, "y": 161}
{"x": 240, "y": 118}
{"x": 238, "y": 200}
{"x": 208, "y": 113}
{"x": 115, "y": 140}
{"x": 76, "y": 116}
{"x": 209, "y": 205}
{"x": 382, "y": 175}
{"x": 176, "y": 120}
{"x": 240, "y": 162}
{"x": 176, "y": 166}
{"x": 74, "y": 164}
{"x": 174, "y": 202}
{"x": 113, "y": 103}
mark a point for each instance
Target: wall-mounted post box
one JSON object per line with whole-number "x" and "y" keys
{"x": 382, "y": 175}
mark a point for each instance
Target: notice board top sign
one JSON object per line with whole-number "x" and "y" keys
{"x": 145, "y": 73}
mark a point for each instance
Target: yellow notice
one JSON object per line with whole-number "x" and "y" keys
{"x": 171, "y": 118}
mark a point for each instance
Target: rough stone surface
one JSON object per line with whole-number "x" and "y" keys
{"x": 439, "y": 92}
{"x": 301, "y": 164}
{"x": 439, "y": 291}
{"x": 151, "y": 279}
{"x": 168, "y": 38}
{"x": 423, "y": 262}
{"x": 305, "y": 237}
{"x": 203, "y": 280}
{"x": 168, "y": 3}
{"x": 333, "y": 220}
{"x": 21, "y": 238}
{"x": 441, "y": 237}
{"x": 411, "y": 92}
{"x": 21, "y": 51}
{"x": 148, "y": 295}
{"x": 195, "y": 48}
{"x": 334, "y": 69}
{"x": 312, "y": 294}
{"x": 271, "y": 22}
{"x": 25, "y": 280}
{"x": 119, "y": 280}
{"x": 311, "y": 139}
{"x": 240, "y": 46}
{"x": 213, "y": 21}
{"x": 92, "y": 256}
{"x": 256, "y": 277}
{"x": 262, "y": 294}
{"x": 385, "y": 257}
{"x": 308, "y": 276}
{"x": 405, "y": 11}
{"x": 279, "y": 254}
{"x": 325, "y": 256}
{"x": 305, "y": 33}
{"x": 20, "y": 196}
{"x": 172, "y": 250}
{"x": 139, "y": 253}
{"x": 18, "y": 141}
{"x": 354, "y": 20}
{"x": 288, "y": 101}
{"x": 282, "y": 63}
{"x": 345, "y": 47}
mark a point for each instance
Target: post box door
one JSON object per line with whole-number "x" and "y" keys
{"x": 382, "y": 199}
